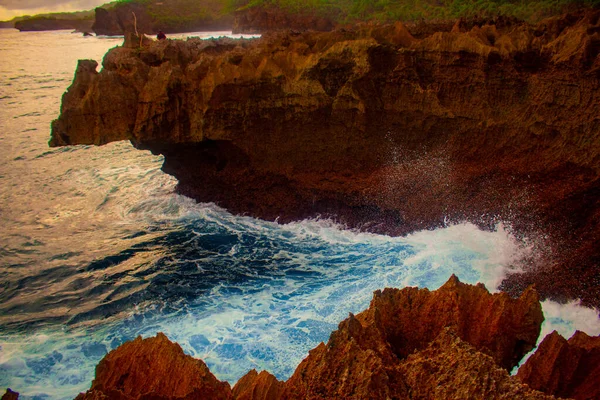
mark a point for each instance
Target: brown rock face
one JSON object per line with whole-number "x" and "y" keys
{"x": 154, "y": 368}
{"x": 565, "y": 368}
{"x": 255, "y": 386}
{"x": 367, "y": 355}
{"x": 377, "y": 128}
{"x": 409, "y": 344}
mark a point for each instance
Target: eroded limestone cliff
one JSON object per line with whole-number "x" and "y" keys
{"x": 455, "y": 342}
{"x": 377, "y": 127}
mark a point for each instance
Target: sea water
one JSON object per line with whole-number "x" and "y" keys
{"x": 96, "y": 249}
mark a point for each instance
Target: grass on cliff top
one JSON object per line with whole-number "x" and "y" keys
{"x": 413, "y": 10}
{"x": 178, "y": 13}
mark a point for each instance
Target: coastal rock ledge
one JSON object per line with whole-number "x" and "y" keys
{"x": 380, "y": 129}
{"x": 457, "y": 342}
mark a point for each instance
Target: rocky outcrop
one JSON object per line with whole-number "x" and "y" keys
{"x": 368, "y": 356}
{"x": 376, "y": 128}
{"x": 154, "y": 368}
{"x": 269, "y": 19}
{"x": 255, "y": 386}
{"x": 455, "y": 342}
{"x": 565, "y": 368}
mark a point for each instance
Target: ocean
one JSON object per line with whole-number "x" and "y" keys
{"x": 96, "y": 248}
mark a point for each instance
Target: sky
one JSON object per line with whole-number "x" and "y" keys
{"x": 14, "y": 8}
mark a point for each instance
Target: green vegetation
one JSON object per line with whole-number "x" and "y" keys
{"x": 411, "y": 10}
{"x": 170, "y": 14}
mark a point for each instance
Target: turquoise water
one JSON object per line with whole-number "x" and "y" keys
{"x": 96, "y": 249}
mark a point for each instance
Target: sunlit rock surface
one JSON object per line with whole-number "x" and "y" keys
{"x": 378, "y": 128}
{"x": 455, "y": 342}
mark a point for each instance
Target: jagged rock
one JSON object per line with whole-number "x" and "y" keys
{"x": 154, "y": 368}
{"x": 389, "y": 129}
{"x": 409, "y": 343}
{"x": 364, "y": 356}
{"x": 565, "y": 368}
{"x": 10, "y": 395}
{"x": 255, "y": 386}
{"x": 450, "y": 368}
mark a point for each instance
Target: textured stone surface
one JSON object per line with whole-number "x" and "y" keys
{"x": 379, "y": 128}
{"x": 366, "y": 355}
{"x": 255, "y": 386}
{"x": 154, "y": 368}
{"x": 409, "y": 344}
{"x": 565, "y": 368}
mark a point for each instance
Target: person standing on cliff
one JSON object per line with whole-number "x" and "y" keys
{"x": 161, "y": 35}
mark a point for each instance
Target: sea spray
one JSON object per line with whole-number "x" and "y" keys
{"x": 242, "y": 293}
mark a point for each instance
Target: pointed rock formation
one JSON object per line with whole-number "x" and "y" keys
{"x": 154, "y": 368}
{"x": 455, "y": 342}
{"x": 364, "y": 355}
{"x": 565, "y": 368}
{"x": 255, "y": 386}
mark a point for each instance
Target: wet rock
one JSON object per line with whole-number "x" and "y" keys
{"x": 565, "y": 368}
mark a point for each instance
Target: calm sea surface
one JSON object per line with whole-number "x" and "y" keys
{"x": 96, "y": 249}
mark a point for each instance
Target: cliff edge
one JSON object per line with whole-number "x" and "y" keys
{"x": 379, "y": 128}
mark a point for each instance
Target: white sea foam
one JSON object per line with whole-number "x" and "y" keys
{"x": 312, "y": 273}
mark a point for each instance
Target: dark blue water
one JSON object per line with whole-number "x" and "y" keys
{"x": 96, "y": 249}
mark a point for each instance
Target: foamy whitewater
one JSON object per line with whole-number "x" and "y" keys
{"x": 97, "y": 249}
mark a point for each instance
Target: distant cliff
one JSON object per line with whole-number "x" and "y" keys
{"x": 154, "y": 16}
{"x": 377, "y": 128}
{"x": 456, "y": 342}
{"x": 53, "y": 23}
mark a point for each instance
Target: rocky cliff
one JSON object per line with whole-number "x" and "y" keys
{"x": 456, "y": 342}
{"x": 377, "y": 127}
{"x": 154, "y": 16}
